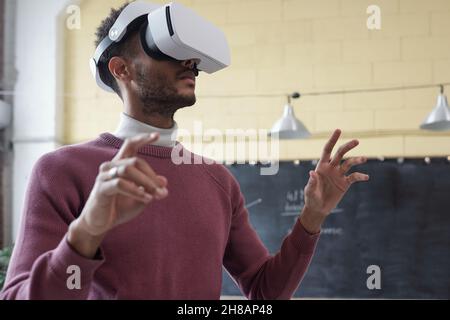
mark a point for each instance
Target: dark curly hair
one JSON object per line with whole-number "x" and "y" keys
{"x": 120, "y": 49}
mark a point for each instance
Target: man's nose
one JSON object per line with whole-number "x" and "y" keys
{"x": 190, "y": 64}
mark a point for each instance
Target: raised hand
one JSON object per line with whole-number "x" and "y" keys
{"x": 123, "y": 188}
{"x": 329, "y": 182}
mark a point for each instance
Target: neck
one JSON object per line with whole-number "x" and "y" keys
{"x": 135, "y": 109}
{"x": 129, "y": 127}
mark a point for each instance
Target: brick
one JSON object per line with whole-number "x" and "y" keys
{"x": 79, "y": 111}
{"x": 373, "y": 100}
{"x": 240, "y": 34}
{"x": 321, "y": 103}
{"x": 255, "y": 11}
{"x": 371, "y": 50}
{"x": 399, "y": 119}
{"x": 283, "y": 32}
{"x": 310, "y": 53}
{"x": 420, "y": 98}
{"x": 80, "y": 83}
{"x": 342, "y": 75}
{"x": 227, "y": 81}
{"x": 237, "y": 121}
{"x": 359, "y": 7}
{"x": 350, "y": 121}
{"x": 302, "y": 149}
{"x": 374, "y": 147}
{"x": 425, "y": 48}
{"x": 203, "y": 106}
{"x": 388, "y": 73}
{"x": 428, "y": 146}
{"x": 216, "y": 12}
{"x": 441, "y": 71}
{"x": 440, "y": 23}
{"x": 197, "y": 3}
{"x": 83, "y": 131}
{"x": 285, "y": 80}
{"x": 424, "y": 6}
{"x": 316, "y": 46}
{"x": 395, "y": 26}
{"x": 306, "y": 9}
{"x": 243, "y": 57}
{"x": 269, "y": 56}
{"x": 340, "y": 29}
{"x": 252, "y": 106}
{"x": 220, "y": 123}
{"x": 371, "y": 147}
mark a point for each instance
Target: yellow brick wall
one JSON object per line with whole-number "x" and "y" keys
{"x": 281, "y": 46}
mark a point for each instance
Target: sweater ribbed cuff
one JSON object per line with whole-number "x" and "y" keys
{"x": 302, "y": 239}
{"x": 65, "y": 256}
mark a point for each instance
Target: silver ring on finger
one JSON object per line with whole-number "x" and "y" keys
{"x": 113, "y": 172}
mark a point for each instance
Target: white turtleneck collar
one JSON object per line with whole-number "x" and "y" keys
{"x": 129, "y": 127}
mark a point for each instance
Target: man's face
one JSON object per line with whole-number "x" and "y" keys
{"x": 162, "y": 86}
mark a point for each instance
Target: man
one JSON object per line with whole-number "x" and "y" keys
{"x": 115, "y": 218}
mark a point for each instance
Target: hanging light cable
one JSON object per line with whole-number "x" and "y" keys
{"x": 438, "y": 120}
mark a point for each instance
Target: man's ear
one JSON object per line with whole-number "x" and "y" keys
{"x": 119, "y": 69}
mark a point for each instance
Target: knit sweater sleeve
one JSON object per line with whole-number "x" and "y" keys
{"x": 42, "y": 261}
{"x": 258, "y": 274}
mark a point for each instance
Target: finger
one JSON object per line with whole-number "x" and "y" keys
{"x": 126, "y": 188}
{"x": 143, "y": 165}
{"x": 159, "y": 181}
{"x": 326, "y": 154}
{"x": 142, "y": 175}
{"x": 131, "y": 146}
{"x": 105, "y": 167}
{"x": 349, "y": 163}
{"x": 151, "y": 184}
{"x": 147, "y": 170}
{"x": 342, "y": 151}
{"x": 138, "y": 163}
{"x": 104, "y": 176}
{"x": 163, "y": 181}
{"x": 357, "y": 177}
{"x": 134, "y": 161}
{"x": 136, "y": 176}
{"x": 312, "y": 179}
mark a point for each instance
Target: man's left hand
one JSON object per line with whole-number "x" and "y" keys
{"x": 329, "y": 182}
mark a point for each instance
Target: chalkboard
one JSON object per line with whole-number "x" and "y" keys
{"x": 399, "y": 221}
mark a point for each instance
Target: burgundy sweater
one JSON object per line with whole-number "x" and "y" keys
{"x": 174, "y": 250}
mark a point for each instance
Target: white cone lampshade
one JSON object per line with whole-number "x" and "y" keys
{"x": 439, "y": 118}
{"x": 289, "y": 127}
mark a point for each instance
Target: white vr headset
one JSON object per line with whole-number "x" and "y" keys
{"x": 170, "y": 32}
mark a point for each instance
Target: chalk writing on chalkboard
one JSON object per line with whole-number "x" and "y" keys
{"x": 293, "y": 206}
{"x": 295, "y": 201}
{"x": 398, "y": 221}
{"x": 253, "y": 203}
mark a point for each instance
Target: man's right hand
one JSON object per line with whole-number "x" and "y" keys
{"x": 123, "y": 188}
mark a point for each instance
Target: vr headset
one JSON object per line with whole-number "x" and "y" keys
{"x": 168, "y": 32}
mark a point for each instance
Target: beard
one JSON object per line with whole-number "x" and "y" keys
{"x": 158, "y": 95}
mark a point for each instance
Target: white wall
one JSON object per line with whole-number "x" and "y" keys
{"x": 9, "y": 79}
{"x": 38, "y": 95}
